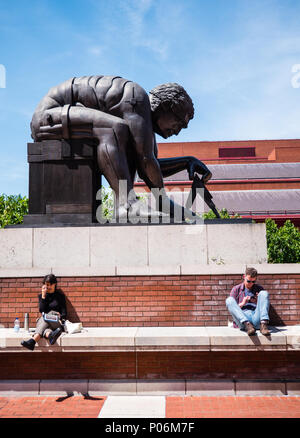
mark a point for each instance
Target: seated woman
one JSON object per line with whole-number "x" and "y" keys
{"x": 53, "y": 302}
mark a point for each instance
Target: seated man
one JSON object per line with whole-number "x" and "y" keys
{"x": 248, "y": 305}
{"x": 119, "y": 117}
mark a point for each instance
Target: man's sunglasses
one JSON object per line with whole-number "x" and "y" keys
{"x": 250, "y": 281}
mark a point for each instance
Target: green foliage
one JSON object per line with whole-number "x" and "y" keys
{"x": 223, "y": 213}
{"x": 12, "y": 209}
{"x": 283, "y": 243}
{"x": 108, "y": 201}
{"x": 107, "y": 197}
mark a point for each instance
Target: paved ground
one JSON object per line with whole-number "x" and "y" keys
{"x": 150, "y": 407}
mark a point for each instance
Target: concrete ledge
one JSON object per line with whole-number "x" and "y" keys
{"x": 255, "y": 388}
{"x": 28, "y": 387}
{"x": 282, "y": 338}
{"x": 63, "y": 387}
{"x": 210, "y": 387}
{"x": 167, "y": 269}
{"x": 216, "y": 387}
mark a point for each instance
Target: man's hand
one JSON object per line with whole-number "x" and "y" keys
{"x": 245, "y": 301}
{"x": 195, "y": 165}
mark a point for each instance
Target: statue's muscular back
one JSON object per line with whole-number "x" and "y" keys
{"x": 102, "y": 93}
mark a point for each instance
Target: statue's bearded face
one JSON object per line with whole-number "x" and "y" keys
{"x": 170, "y": 123}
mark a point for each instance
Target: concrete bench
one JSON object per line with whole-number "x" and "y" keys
{"x": 134, "y": 339}
{"x": 167, "y": 349}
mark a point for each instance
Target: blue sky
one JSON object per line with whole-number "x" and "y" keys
{"x": 234, "y": 58}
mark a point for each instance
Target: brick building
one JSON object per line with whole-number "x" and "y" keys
{"x": 254, "y": 178}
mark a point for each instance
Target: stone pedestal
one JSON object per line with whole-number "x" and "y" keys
{"x": 132, "y": 249}
{"x": 63, "y": 182}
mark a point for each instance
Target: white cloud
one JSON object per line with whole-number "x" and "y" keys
{"x": 95, "y": 50}
{"x": 143, "y": 34}
{"x": 247, "y": 83}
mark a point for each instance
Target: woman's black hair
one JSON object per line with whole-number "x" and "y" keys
{"x": 50, "y": 278}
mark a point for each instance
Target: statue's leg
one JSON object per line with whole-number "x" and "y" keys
{"x": 112, "y": 134}
{"x": 112, "y": 161}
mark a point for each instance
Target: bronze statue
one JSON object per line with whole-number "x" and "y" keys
{"x": 121, "y": 118}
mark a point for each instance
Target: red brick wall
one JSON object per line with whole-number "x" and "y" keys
{"x": 208, "y": 151}
{"x": 187, "y": 300}
{"x": 90, "y": 365}
{"x": 152, "y": 365}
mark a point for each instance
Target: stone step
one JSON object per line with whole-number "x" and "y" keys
{"x": 168, "y": 387}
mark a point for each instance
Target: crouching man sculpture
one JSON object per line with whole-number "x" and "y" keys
{"x": 120, "y": 117}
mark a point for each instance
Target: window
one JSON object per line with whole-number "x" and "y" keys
{"x": 236, "y": 152}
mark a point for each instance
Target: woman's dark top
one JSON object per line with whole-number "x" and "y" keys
{"x": 55, "y": 301}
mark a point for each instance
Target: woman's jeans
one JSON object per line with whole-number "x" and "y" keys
{"x": 261, "y": 313}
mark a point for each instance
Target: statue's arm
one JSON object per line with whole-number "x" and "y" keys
{"x": 147, "y": 163}
{"x": 170, "y": 166}
{"x": 139, "y": 122}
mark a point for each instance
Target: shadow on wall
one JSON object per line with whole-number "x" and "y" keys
{"x": 71, "y": 312}
{"x": 275, "y": 319}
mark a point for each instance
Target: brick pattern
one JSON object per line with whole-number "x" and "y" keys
{"x": 232, "y": 407}
{"x": 151, "y": 365}
{"x": 176, "y": 407}
{"x": 219, "y": 365}
{"x": 91, "y": 365}
{"x": 51, "y": 407}
{"x": 187, "y": 300}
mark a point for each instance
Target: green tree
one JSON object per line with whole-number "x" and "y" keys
{"x": 12, "y": 209}
{"x": 223, "y": 214}
{"x": 283, "y": 243}
{"x": 108, "y": 201}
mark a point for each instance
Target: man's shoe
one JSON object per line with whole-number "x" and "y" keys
{"x": 264, "y": 328}
{"x": 30, "y": 344}
{"x": 54, "y": 335}
{"x": 249, "y": 328}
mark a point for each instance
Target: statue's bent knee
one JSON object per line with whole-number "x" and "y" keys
{"x": 121, "y": 130}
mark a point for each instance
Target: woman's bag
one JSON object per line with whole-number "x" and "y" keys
{"x": 72, "y": 327}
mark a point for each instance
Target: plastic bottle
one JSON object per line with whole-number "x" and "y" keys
{"x": 17, "y": 325}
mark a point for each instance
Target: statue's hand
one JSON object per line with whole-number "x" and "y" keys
{"x": 206, "y": 177}
{"x": 195, "y": 165}
{"x": 49, "y": 132}
{"x": 54, "y": 132}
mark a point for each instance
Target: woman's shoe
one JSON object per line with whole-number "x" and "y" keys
{"x": 54, "y": 335}
{"x": 30, "y": 344}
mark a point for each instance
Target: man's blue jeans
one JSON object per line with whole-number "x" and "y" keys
{"x": 261, "y": 313}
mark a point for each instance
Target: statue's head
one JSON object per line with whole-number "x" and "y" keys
{"x": 172, "y": 109}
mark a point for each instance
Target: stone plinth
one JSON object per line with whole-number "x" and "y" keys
{"x": 63, "y": 181}
{"x": 130, "y": 249}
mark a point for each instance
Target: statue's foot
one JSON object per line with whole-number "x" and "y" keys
{"x": 141, "y": 212}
